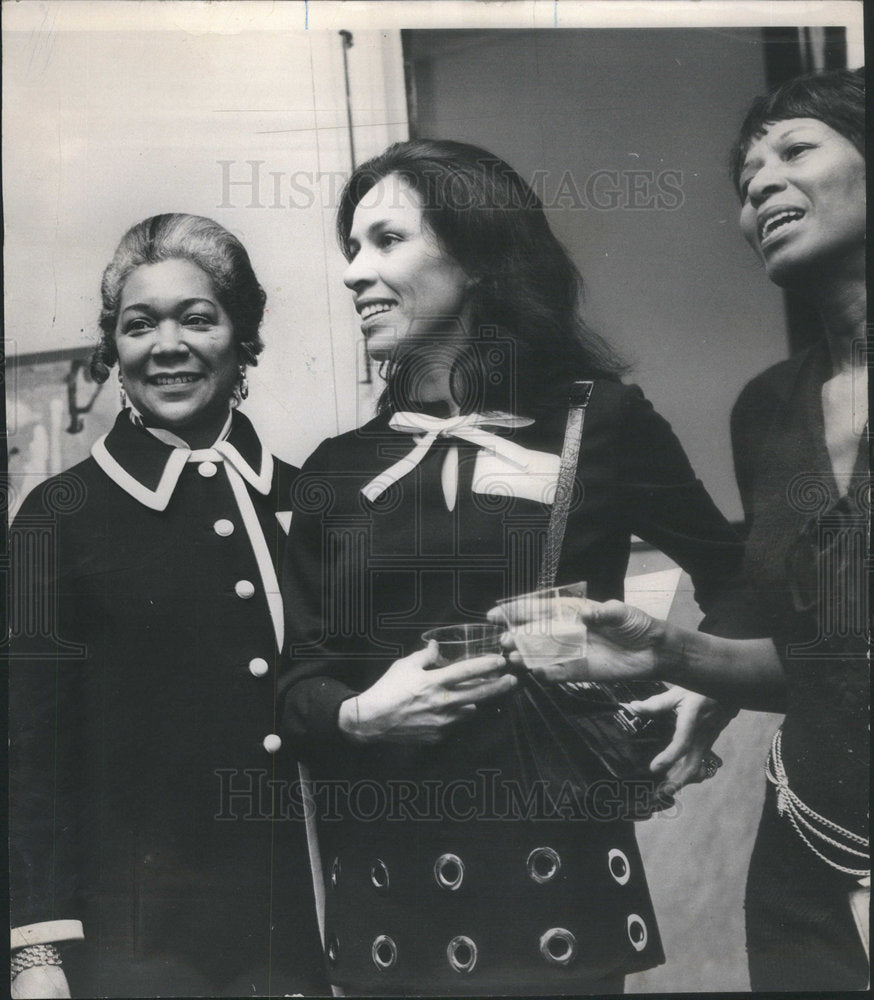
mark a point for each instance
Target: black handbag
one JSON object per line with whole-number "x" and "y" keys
{"x": 576, "y": 740}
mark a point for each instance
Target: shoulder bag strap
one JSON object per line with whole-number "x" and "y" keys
{"x": 578, "y": 399}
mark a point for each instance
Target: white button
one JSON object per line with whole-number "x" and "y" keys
{"x": 207, "y": 469}
{"x": 223, "y": 527}
{"x": 258, "y": 667}
{"x": 244, "y": 589}
{"x": 272, "y": 743}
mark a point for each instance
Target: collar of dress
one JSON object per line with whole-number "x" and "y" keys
{"x": 147, "y": 463}
{"x": 470, "y": 427}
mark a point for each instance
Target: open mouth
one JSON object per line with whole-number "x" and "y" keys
{"x": 181, "y": 379}
{"x": 774, "y": 222}
{"x": 370, "y": 309}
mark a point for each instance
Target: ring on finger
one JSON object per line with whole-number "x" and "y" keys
{"x": 710, "y": 763}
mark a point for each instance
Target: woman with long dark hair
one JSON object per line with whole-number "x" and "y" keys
{"x": 443, "y": 875}
{"x": 795, "y": 622}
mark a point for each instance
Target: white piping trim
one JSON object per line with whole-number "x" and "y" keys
{"x": 260, "y": 551}
{"x": 45, "y": 932}
{"x": 204, "y": 455}
{"x": 153, "y": 499}
{"x": 309, "y": 803}
{"x": 260, "y": 480}
{"x": 274, "y": 604}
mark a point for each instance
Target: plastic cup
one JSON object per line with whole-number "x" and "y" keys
{"x": 546, "y": 629}
{"x": 463, "y": 642}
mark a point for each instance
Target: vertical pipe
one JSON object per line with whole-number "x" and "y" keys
{"x": 347, "y": 44}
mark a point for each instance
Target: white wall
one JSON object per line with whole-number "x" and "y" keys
{"x": 104, "y": 127}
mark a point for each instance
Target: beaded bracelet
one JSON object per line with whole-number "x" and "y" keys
{"x": 32, "y": 955}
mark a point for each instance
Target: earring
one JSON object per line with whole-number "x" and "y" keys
{"x": 243, "y": 383}
{"x": 122, "y": 395}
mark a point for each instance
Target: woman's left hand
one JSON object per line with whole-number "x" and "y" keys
{"x": 687, "y": 759}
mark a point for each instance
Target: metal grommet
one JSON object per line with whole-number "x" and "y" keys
{"x": 543, "y": 864}
{"x": 335, "y": 872}
{"x": 332, "y": 949}
{"x": 379, "y": 875}
{"x": 620, "y": 869}
{"x": 558, "y": 946}
{"x": 637, "y": 932}
{"x": 449, "y": 871}
{"x": 462, "y": 953}
{"x": 384, "y": 952}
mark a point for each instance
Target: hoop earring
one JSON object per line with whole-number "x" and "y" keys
{"x": 122, "y": 395}
{"x": 243, "y": 383}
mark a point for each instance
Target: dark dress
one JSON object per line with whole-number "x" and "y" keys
{"x": 143, "y": 668}
{"x": 804, "y": 584}
{"x": 440, "y": 878}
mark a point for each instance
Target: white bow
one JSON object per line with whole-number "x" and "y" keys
{"x": 469, "y": 427}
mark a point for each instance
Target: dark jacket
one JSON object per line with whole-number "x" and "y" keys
{"x": 143, "y": 669}
{"x": 361, "y": 581}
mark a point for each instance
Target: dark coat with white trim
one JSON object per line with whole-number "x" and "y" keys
{"x": 134, "y": 713}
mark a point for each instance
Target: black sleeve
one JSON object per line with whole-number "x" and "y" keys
{"x": 737, "y": 614}
{"x": 668, "y": 506}
{"x": 751, "y": 415}
{"x": 45, "y": 663}
{"x": 317, "y": 673}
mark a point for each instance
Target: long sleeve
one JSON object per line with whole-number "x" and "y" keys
{"x": 668, "y": 505}
{"x": 45, "y": 665}
{"x": 745, "y": 608}
{"x": 316, "y": 676}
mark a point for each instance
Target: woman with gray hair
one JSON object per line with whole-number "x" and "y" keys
{"x": 147, "y": 626}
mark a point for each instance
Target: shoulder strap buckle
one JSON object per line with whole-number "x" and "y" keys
{"x": 580, "y": 393}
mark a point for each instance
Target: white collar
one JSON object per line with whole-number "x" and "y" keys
{"x": 168, "y": 437}
{"x": 148, "y": 465}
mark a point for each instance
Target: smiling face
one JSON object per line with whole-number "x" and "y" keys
{"x": 176, "y": 350}
{"x": 803, "y": 200}
{"x": 400, "y": 276}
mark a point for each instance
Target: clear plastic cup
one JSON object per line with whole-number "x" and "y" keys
{"x": 546, "y": 629}
{"x": 463, "y": 642}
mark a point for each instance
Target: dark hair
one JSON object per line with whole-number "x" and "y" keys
{"x": 836, "y": 97}
{"x": 205, "y": 243}
{"x": 524, "y": 284}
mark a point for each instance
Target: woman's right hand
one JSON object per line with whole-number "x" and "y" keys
{"x": 40, "y": 981}
{"x": 415, "y": 702}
